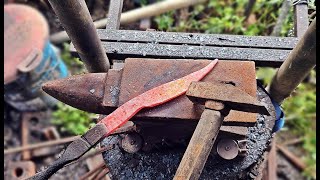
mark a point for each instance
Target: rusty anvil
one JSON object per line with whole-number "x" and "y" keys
{"x": 218, "y": 99}
{"x": 102, "y": 93}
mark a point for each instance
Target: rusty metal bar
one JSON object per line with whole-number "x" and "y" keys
{"x": 301, "y": 21}
{"x": 296, "y": 67}
{"x": 76, "y": 20}
{"x": 272, "y": 161}
{"x": 114, "y": 14}
{"x": 295, "y": 160}
{"x": 40, "y": 145}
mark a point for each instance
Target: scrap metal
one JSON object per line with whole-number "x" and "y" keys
{"x": 26, "y": 154}
{"x": 21, "y": 170}
{"x": 153, "y": 97}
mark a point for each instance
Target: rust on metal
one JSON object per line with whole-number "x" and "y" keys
{"x": 231, "y": 96}
{"x": 112, "y": 88}
{"x": 21, "y": 170}
{"x": 51, "y": 133}
{"x": 132, "y": 142}
{"x": 154, "y": 96}
{"x": 26, "y": 118}
{"x": 237, "y": 130}
{"x": 153, "y": 72}
{"x": 151, "y": 98}
{"x": 272, "y": 161}
{"x": 214, "y": 105}
{"x": 93, "y": 135}
{"x": 119, "y": 86}
{"x": 127, "y": 127}
{"x": 296, "y": 161}
{"x": 25, "y": 30}
{"x": 84, "y": 92}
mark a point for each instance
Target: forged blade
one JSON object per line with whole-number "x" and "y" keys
{"x": 153, "y": 97}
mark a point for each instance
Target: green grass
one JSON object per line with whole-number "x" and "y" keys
{"x": 227, "y": 17}
{"x": 74, "y": 65}
{"x": 72, "y": 120}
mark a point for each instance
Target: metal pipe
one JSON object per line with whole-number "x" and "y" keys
{"x": 301, "y": 60}
{"x": 76, "y": 20}
{"x": 136, "y": 14}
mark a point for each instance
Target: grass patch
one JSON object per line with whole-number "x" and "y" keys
{"x": 227, "y": 17}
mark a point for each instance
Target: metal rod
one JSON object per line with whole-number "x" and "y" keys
{"x": 76, "y": 20}
{"x": 88, "y": 174}
{"x": 136, "y": 14}
{"x": 293, "y": 141}
{"x": 297, "y": 162}
{"x": 114, "y": 14}
{"x": 128, "y": 127}
{"x": 272, "y": 161}
{"x": 300, "y": 61}
{"x": 300, "y": 19}
{"x": 40, "y": 145}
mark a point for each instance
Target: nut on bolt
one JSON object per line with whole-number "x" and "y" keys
{"x": 229, "y": 149}
{"x": 132, "y": 142}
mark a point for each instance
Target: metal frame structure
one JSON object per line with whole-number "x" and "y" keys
{"x": 264, "y": 50}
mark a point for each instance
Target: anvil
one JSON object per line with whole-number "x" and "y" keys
{"x": 102, "y": 93}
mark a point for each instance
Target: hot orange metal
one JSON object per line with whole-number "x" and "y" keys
{"x": 153, "y": 97}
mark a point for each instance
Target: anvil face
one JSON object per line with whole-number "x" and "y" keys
{"x": 140, "y": 75}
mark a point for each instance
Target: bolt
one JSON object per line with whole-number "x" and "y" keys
{"x": 132, "y": 142}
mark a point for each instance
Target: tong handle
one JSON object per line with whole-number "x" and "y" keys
{"x": 47, "y": 173}
{"x": 74, "y": 151}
